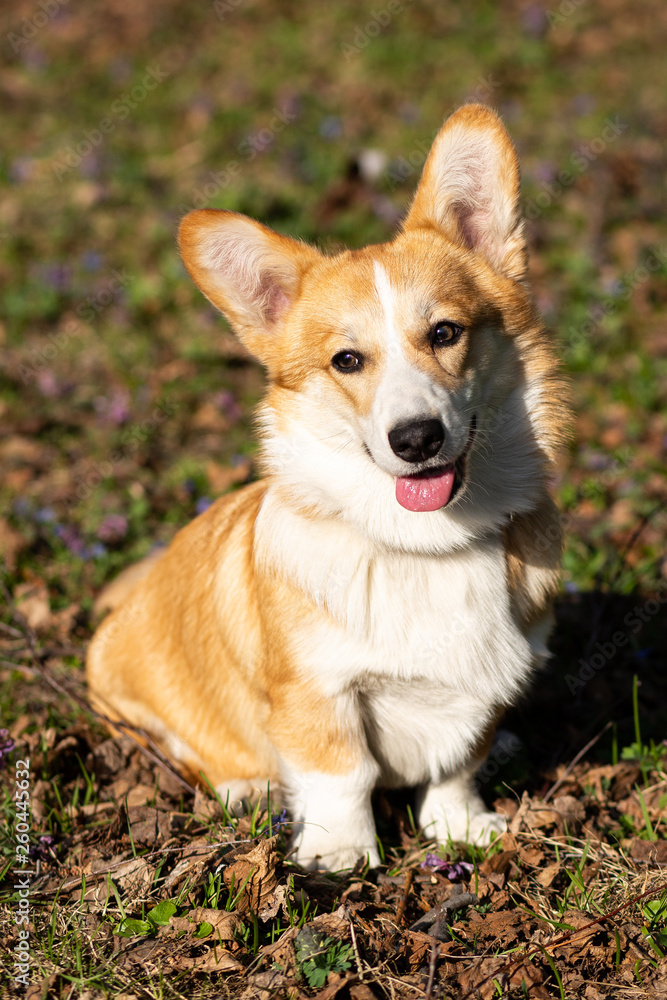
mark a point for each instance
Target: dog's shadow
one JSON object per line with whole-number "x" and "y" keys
{"x": 605, "y": 645}
{"x": 607, "y": 648}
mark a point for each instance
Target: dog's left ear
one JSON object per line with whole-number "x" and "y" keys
{"x": 470, "y": 189}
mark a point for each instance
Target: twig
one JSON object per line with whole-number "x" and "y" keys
{"x": 400, "y": 912}
{"x": 14, "y": 632}
{"x": 573, "y": 763}
{"x": 432, "y": 961}
{"x": 635, "y": 535}
{"x": 355, "y": 948}
{"x": 91, "y": 877}
{"x": 511, "y": 967}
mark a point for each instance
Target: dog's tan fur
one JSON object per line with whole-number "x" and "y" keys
{"x": 206, "y": 650}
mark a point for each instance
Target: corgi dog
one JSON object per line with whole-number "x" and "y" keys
{"x": 362, "y": 615}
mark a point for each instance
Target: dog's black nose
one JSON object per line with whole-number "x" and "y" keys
{"x": 417, "y": 441}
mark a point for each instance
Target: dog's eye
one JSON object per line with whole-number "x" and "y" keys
{"x": 346, "y": 361}
{"x": 445, "y": 333}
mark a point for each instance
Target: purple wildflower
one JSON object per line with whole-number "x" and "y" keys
{"x": 454, "y": 870}
{"x": 43, "y": 849}
{"x": 21, "y": 169}
{"x": 55, "y": 274}
{"x": 70, "y": 537}
{"x": 6, "y": 746}
{"x": 115, "y": 410}
{"x": 91, "y": 261}
{"x": 279, "y": 820}
{"x": 331, "y": 128}
{"x": 46, "y": 515}
{"x": 48, "y": 384}
{"x": 22, "y": 507}
{"x": 94, "y": 551}
{"x": 113, "y": 528}
{"x": 203, "y": 504}
{"x": 534, "y": 21}
{"x": 227, "y": 402}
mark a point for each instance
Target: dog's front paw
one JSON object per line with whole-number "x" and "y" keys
{"x": 325, "y": 854}
{"x": 458, "y": 824}
{"x": 482, "y": 827}
{"x": 454, "y": 811}
{"x": 333, "y": 861}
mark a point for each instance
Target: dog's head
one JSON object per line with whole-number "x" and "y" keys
{"x": 412, "y": 389}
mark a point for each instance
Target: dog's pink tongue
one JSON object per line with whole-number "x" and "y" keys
{"x": 422, "y": 492}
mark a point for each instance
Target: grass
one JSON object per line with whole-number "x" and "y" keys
{"x": 128, "y": 408}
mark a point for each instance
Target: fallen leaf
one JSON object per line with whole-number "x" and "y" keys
{"x": 32, "y": 600}
{"x": 221, "y": 477}
{"x": 251, "y": 874}
{"x": 11, "y": 543}
{"x": 571, "y": 812}
{"x": 215, "y": 960}
{"x": 547, "y": 875}
{"x": 224, "y": 923}
{"x": 134, "y": 878}
{"x": 652, "y": 851}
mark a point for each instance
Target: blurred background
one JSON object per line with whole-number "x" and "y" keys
{"x": 125, "y": 403}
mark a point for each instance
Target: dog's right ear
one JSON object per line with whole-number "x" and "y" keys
{"x": 250, "y": 273}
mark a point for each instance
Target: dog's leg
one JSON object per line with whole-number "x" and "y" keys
{"x": 336, "y": 827}
{"x": 453, "y": 809}
{"x": 328, "y": 773}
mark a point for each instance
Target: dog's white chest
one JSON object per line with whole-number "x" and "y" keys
{"x": 427, "y": 644}
{"x": 440, "y": 623}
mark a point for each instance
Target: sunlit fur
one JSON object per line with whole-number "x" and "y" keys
{"x": 309, "y": 630}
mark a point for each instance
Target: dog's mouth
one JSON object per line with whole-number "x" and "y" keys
{"x": 433, "y": 489}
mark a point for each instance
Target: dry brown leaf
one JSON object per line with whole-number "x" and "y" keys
{"x": 571, "y": 811}
{"x": 547, "y": 875}
{"x": 499, "y": 863}
{"x": 134, "y": 878}
{"x": 653, "y": 851}
{"x": 256, "y": 867}
{"x": 265, "y": 985}
{"x": 224, "y": 923}
{"x": 19, "y": 450}
{"x": 275, "y": 903}
{"x": 191, "y": 866}
{"x": 209, "y": 418}
{"x": 215, "y": 960}
{"x": 221, "y": 477}
{"x": 32, "y": 600}
{"x": 11, "y": 543}
{"x": 531, "y": 855}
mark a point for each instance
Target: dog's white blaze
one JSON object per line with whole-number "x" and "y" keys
{"x": 387, "y": 299}
{"x": 404, "y": 393}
